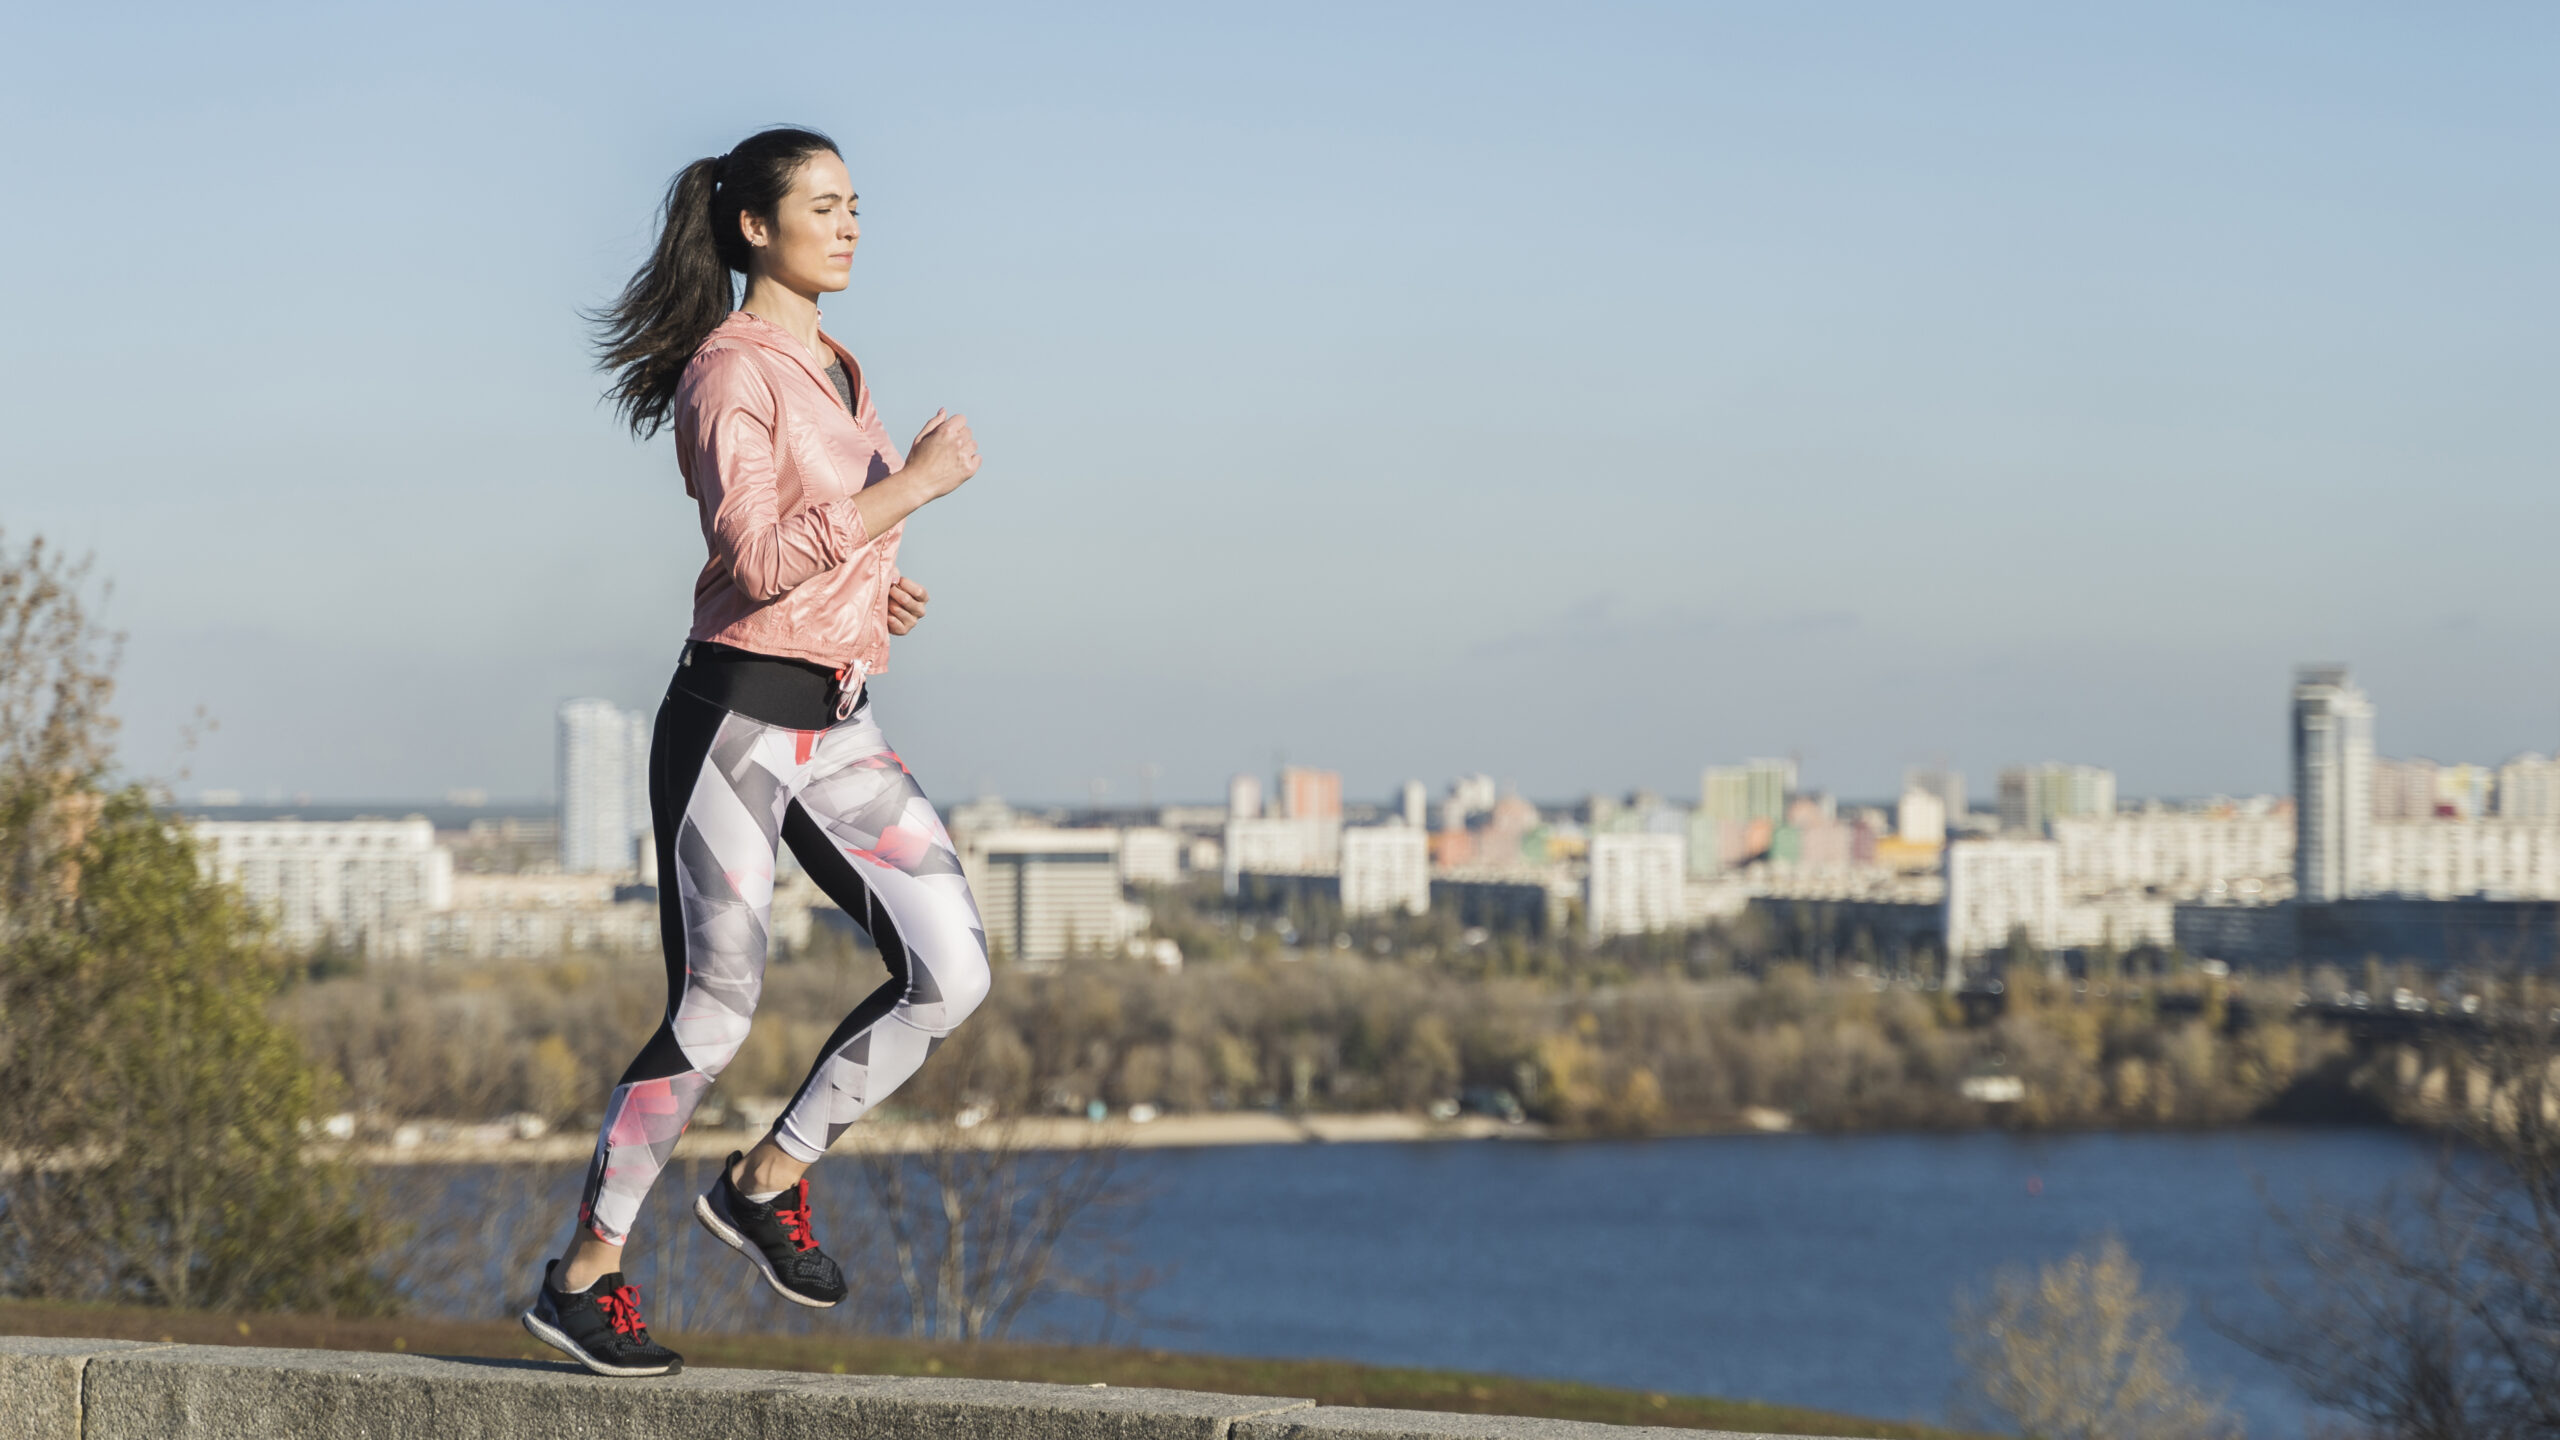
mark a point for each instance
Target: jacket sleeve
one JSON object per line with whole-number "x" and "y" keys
{"x": 728, "y": 425}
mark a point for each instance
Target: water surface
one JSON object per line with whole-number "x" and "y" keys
{"x": 1806, "y": 1270}
{"x": 1799, "y": 1269}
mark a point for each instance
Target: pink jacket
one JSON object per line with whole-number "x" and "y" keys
{"x": 774, "y": 461}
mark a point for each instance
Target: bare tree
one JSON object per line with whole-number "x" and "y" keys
{"x": 2079, "y": 1351}
{"x": 971, "y": 1226}
{"x": 485, "y": 1230}
{"x": 2435, "y": 1312}
{"x": 57, "y": 673}
{"x": 974, "y": 1228}
{"x": 2399, "y": 1322}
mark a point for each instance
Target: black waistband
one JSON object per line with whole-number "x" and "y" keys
{"x": 794, "y": 694}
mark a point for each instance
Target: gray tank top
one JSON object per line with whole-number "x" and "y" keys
{"x": 842, "y": 382}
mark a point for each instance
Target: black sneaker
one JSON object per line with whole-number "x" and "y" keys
{"x": 599, "y": 1327}
{"x": 774, "y": 1237}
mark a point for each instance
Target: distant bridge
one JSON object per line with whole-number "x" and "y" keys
{"x": 2368, "y": 1022}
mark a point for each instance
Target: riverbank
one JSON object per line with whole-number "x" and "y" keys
{"x": 1328, "y": 1382}
{"x": 456, "y": 1143}
{"x": 1619, "y": 1048}
{"x": 424, "y": 1144}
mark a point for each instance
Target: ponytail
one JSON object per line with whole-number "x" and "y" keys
{"x": 674, "y": 302}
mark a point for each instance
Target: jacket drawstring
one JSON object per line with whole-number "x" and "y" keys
{"x": 849, "y": 686}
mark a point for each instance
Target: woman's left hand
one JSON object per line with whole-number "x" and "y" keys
{"x": 906, "y": 605}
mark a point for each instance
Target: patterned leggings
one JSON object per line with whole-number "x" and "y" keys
{"x": 723, "y": 788}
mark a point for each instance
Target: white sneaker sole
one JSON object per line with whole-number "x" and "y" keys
{"x": 721, "y": 1232}
{"x": 551, "y": 1335}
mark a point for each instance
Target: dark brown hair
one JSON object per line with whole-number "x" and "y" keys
{"x": 683, "y": 293}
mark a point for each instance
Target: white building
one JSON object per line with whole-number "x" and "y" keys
{"x": 1998, "y": 887}
{"x": 2123, "y": 921}
{"x": 1637, "y": 884}
{"x": 1150, "y": 856}
{"x": 987, "y": 812}
{"x": 1709, "y": 902}
{"x": 1414, "y": 803}
{"x": 1473, "y": 795}
{"x": 604, "y": 787}
{"x": 2332, "y": 783}
{"x": 538, "y": 917}
{"x": 1386, "y": 867}
{"x": 2183, "y": 853}
{"x": 1045, "y": 895}
{"x": 2529, "y": 790}
{"x": 1278, "y": 846}
{"x": 1920, "y": 816}
{"x": 1244, "y": 798}
{"x": 2194, "y": 856}
{"x": 362, "y": 884}
{"x": 1204, "y": 856}
{"x": 2447, "y": 859}
{"x": 2404, "y": 789}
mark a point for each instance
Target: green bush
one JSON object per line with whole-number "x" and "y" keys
{"x": 152, "y": 1141}
{"x": 158, "y": 1114}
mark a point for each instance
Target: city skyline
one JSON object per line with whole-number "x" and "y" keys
{"x": 1569, "y": 396}
{"x": 1985, "y": 793}
{"x": 2060, "y": 864}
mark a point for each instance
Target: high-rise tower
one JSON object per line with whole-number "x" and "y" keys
{"x": 604, "y": 786}
{"x": 2332, "y": 783}
{"x": 2032, "y": 797}
{"x": 1754, "y": 791}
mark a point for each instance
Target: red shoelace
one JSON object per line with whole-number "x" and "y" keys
{"x": 795, "y": 1220}
{"x": 622, "y": 1310}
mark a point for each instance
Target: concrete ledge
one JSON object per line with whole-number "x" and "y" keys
{"x": 227, "y": 1393}
{"x": 1335, "y": 1422}
{"x": 55, "y": 1389}
{"x": 40, "y": 1382}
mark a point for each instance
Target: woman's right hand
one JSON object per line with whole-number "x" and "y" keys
{"x": 943, "y": 458}
{"x": 945, "y": 454}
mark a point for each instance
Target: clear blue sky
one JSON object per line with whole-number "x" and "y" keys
{"x": 1578, "y": 394}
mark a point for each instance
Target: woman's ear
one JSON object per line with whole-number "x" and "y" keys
{"x": 751, "y": 225}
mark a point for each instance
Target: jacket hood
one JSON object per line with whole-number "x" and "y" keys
{"x": 756, "y": 330}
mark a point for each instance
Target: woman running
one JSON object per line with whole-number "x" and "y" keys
{"x": 767, "y": 734}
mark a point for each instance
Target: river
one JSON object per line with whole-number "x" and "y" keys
{"x": 1805, "y": 1270}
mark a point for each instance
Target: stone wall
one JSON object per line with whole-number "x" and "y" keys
{"x": 62, "y": 1389}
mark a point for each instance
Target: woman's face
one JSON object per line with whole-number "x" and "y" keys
{"x": 809, "y": 245}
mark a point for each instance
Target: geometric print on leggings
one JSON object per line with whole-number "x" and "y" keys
{"x": 729, "y": 788}
{"x": 871, "y": 830}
